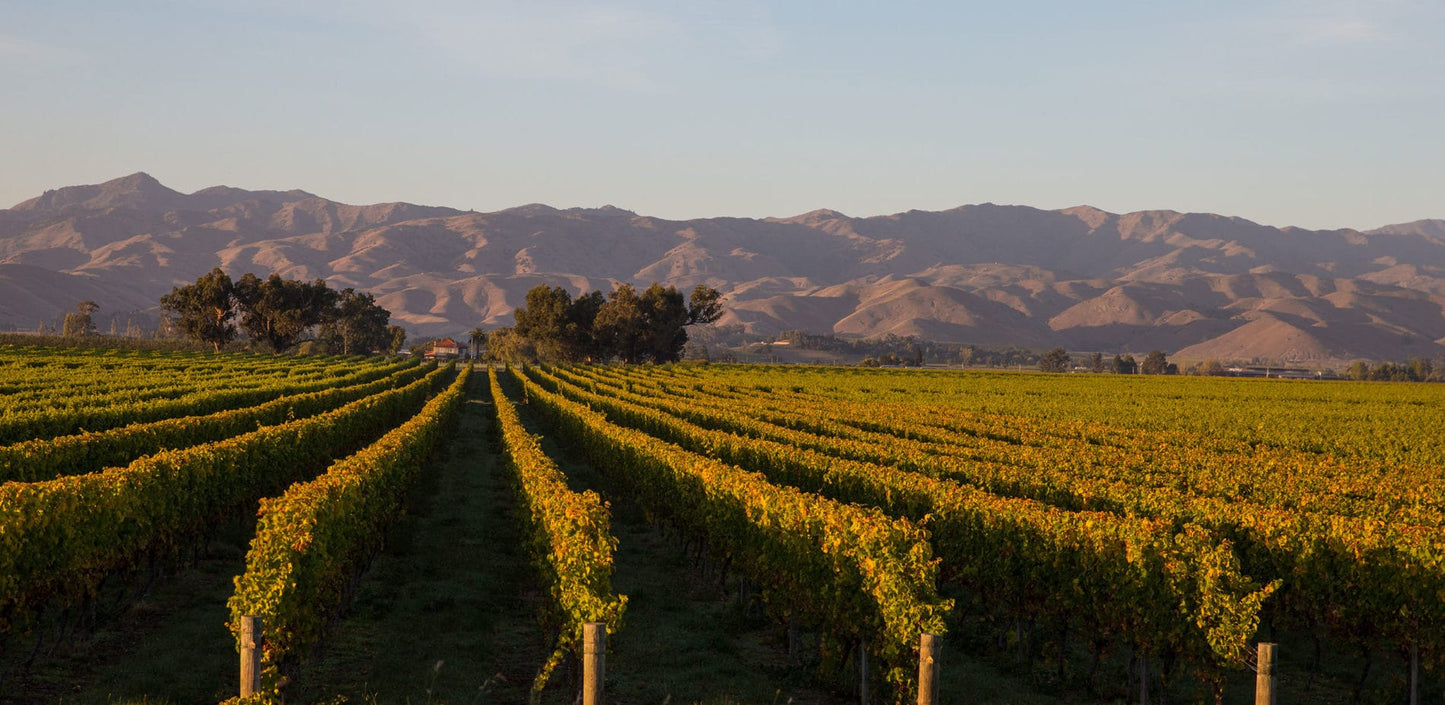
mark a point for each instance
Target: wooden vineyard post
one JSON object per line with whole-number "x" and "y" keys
{"x": 928, "y": 648}
{"x": 594, "y": 661}
{"x": 1414, "y": 674}
{"x": 863, "y": 671}
{"x": 1264, "y": 675}
{"x": 1143, "y": 679}
{"x": 250, "y": 655}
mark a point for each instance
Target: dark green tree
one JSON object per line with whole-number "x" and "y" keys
{"x": 621, "y": 326}
{"x": 704, "y": 306}
{"x": 543, "y": 317}
{"x": 633, "y": 327}
{"x": 666, "y": 318}
{"x": 1155, "y": 363}
{"x": 1096, "y": 362}
{"x": 1125, "y": 365}
{"x": 581, "y": 335}
{"x": 395, "y": 339}
{"x": 477, "y": 339}
{"x": 356, "y": 325}
{"x": 560, "y": 329}
{"x": 203, "y": 310}
{"x": 1056, "y": 360}
{"x": 81, "y": 323}
{"x": 277, "y": 312}
{"x": 505, "y": 345}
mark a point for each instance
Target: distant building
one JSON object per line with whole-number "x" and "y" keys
{"x": 444, "y": 349}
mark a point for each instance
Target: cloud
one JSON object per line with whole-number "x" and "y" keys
{"x": 37, "y": 53}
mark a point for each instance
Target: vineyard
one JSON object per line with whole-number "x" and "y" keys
{"x": 1079, "y": 538}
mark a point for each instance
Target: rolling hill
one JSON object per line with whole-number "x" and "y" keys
{"x": 1197, "y": 285}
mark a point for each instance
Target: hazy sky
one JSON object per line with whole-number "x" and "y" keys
{"x": 1318, "y": 113}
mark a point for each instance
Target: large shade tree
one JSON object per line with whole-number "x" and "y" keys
{"x": 277, "y": 312}
{"x": 635, "y": 328}
{"x": 621, "y": 325}
{"x": 204, "y": 311}
{"x": 356, "y": 325}
{"x": 280, "y": 313}
{"x": 560, "y": 328}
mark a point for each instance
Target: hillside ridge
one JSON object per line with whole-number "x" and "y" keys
{"x": 1201, "y": 284}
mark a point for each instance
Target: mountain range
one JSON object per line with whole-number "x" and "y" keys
{"x": 1195, "y": 285}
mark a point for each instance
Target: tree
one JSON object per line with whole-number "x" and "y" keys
{"x": 1359, "y": 370}
{"x": 1096, "y": 362}
{"x": 621, "y": 325}
{"x": 1213, "y": 367}
{"x": 505, "y": 345}
{"x": 580, "y": 336}
{"x": 1056, "y": 360}
{"x": 1390, "y": 372}
{"x": 636, "y": 328}
{"x": 356, "y": 325}
{"x": 1155, "y": 363}
{"x": 395, "y": 339}
{"x": 278, "y": 311}
{"x": 477, "y": 339}
{"x": 561, "y": 329}
{"x": 543, "y": 319}
{"x": 203, "y": 310}
{"x": 666, "y": 316}
{"x": 80, "y": 323}
{"x": 1125, "y": 365}
{"x": 704, "y": 306}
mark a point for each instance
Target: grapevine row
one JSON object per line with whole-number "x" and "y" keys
{"x": 916, "y": 438}
{"x": 48, "y": 458}
{"x": 50, "y": 423}
{"x": 1170, "y": 591}
{"x": 312, "y": 539}
{"x": 569, "y": 534}
{"x": 852, "y": 571}
{"x": 1391, "y": 423}
{"x": 59, "y": 538}
{"x": 1358, "y": 578}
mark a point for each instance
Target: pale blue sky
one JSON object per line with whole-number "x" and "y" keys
{"x": 1319, "y": 113}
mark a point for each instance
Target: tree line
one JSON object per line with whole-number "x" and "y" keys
{"x": 278, "y": 314}
{"x": 1416, "y": 370}
{"x": 891, "y": 350}
{"x": 1155, "y": 363}
{"x": 651, "y": 326}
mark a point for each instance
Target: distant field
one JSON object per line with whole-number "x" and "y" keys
{"x": 780, "y": 532}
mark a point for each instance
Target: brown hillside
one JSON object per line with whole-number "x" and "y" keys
{"x": 1081, "y": 277}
